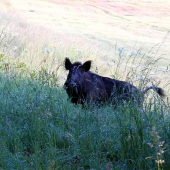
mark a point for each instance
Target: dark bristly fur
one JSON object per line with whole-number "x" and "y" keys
{"x": 159, "y": 90}
{"x": 83, "y": 86}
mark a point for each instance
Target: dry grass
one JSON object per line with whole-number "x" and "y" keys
{"x": 42, "y": 33}
{"x": 131, "y": 24}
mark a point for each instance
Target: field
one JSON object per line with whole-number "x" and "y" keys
{"x": 39, "y": 127}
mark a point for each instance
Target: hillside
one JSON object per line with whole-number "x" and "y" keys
{"x": 129, "y": 24}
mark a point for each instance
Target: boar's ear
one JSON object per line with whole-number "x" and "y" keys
{"x": 87, "y": 66}
{"x": 67, "y": 63}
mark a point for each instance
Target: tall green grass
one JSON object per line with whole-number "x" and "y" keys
{"x": 41, "y": 129}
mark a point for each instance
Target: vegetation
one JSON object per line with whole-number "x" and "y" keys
{"x": 41, "y": 129}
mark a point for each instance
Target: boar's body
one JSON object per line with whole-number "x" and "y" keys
{"x": 83, "y": 86}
